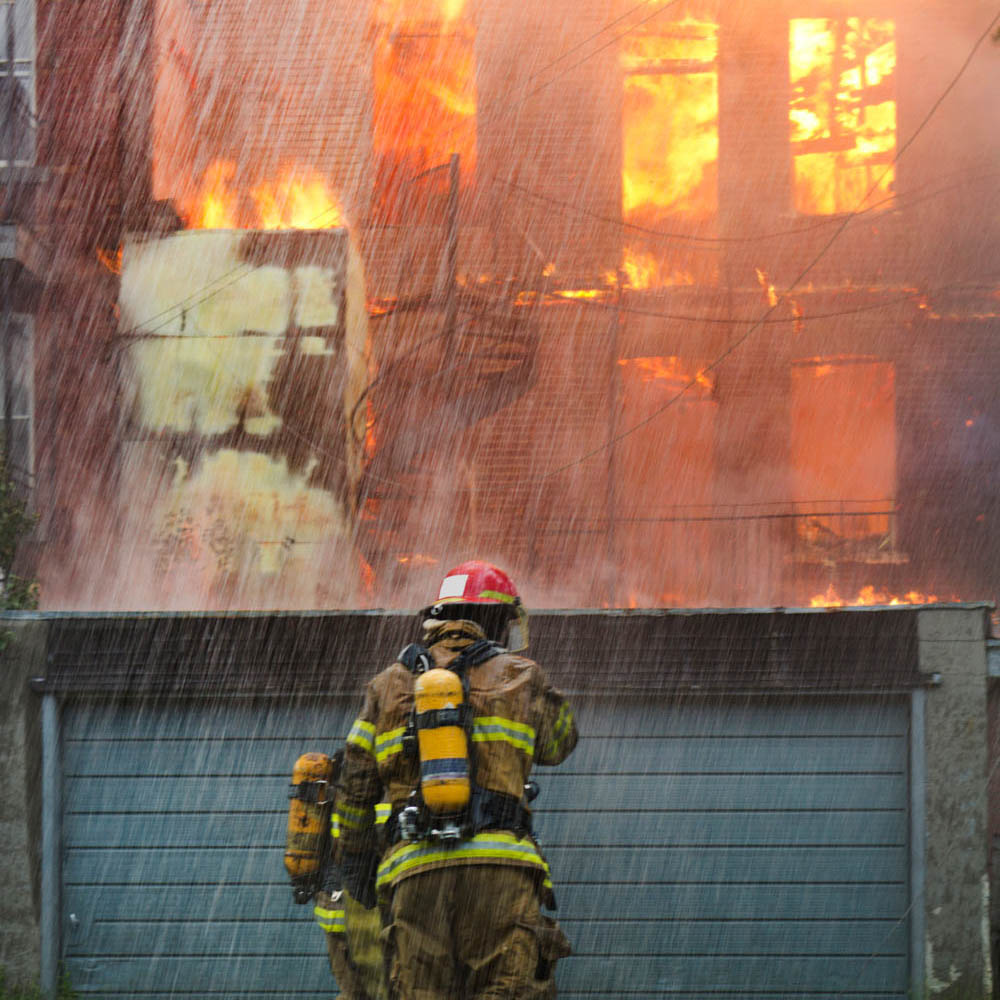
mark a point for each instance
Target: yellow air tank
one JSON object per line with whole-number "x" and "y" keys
{"x": 309, "y": 814}
{"x": 444, "y": 748}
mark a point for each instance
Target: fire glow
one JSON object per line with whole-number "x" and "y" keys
{"x": 842, "y": 111}
{"x": 424, "y": 95}
{"x": 670, "y": 138}
{"x": 299, "y": 199}
{"x": 869, "y": 596}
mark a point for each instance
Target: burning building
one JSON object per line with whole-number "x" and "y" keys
{"x": 685, "y": 304}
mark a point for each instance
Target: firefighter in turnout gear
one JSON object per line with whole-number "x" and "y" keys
{"x": 351, "y": 930}
{"x": 457, "y": 873}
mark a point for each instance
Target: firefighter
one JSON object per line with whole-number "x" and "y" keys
{"x": 448, "y": 735}
{"x": 351, "y": 931}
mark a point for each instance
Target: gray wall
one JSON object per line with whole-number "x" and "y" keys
{"x": 22, "y": 658}
{"x": 956, "y": 900}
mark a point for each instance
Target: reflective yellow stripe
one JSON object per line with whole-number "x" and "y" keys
{"x": 353, "y": 818}
{"x": 335, "y": 825}
{"x": 362, "y": 735}
{"x": 562, "y": 728}
{"x": 494, "y": 728}
{"x": 332, "y": 921}
{"x": 388, "y": 743}
{"x": 483, "y": 846}
{"x": 382, "y": 812}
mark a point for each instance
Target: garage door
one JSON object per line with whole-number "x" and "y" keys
{"x": 753, "y": 849}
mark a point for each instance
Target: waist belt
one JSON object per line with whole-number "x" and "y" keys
{"x": 486, "y": 811}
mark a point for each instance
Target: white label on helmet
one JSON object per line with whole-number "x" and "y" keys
{"x": 453, "y": 586}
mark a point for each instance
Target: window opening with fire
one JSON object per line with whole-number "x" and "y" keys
{"x": 666, "y": 472}
{"x": 424, "y": 110}
{"x": 843, "y": 458}
{"x": 670, "y": 142}
{"x": 842, "y": 112}
{"x": 17, "y": 82}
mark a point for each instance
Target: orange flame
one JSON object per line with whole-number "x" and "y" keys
{"x": 298, "y": 199}
{"x": 645, "y": 270}
{"x": 670, "y": 121}
{"x": 767, "y": 285}
{"x": 842, "y": 112}
{"x": 868, "y": 596}
{"x": 424, "y": 95}
{"x": 669, "y": 369}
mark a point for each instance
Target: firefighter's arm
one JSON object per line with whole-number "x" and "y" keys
{"x": 360, "y": 789}
{"x": 556, "y": 734}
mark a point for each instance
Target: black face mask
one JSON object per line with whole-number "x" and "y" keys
{"x": 491, "y": 618}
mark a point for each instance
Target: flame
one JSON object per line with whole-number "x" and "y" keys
{"x": 425, "y": 95}
{"x": 298, "y": 199}
{"x": 868, "y": 596}
{"x": 670, "y": 121}
{"x": 370, "y": 439}
{"x": 766, "y": 284}
{"x": 417, "y": 559}
{"x": 296, "y": 202}
{"x": 842, "y": 116}
{"x": 216, "y": 203}
{"x": 646, "y": 270}
{"x": 111, "y": 261}
{"x": 669, "y": 369}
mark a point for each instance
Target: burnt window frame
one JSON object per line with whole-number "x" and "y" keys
{"x": 887, "y": 199}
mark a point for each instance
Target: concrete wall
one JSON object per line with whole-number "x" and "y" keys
{"x": 22, "y": 657}
{"x": 956, "y": 898}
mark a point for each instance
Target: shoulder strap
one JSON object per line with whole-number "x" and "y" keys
{"x": 416, "y": 658}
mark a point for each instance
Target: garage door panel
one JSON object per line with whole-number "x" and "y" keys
{"x": 185, "y": 793}
{"x": 299, "y": 934}
{"x": 626, "y": 716}
{"x": 177, "y": 757}
{"x": 684, "y": 902}
{"x": 671, "y": 937}
{"x": 308, "y": 721}
{"x": 176, "y": 902}
{"x": 198, "y": 976}
{"x": 724, "y": 791}
{"x": 709, "y": 791}
{"x": 733, "y": 755}
{"x": 721, "y": 827}
{"x": 730, "y": 865}
{"x": 746, "y": 974}
{"x": 167, "y": 866}
{"x": 233, "y": 830}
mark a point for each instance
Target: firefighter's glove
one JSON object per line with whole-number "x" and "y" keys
{"x": 303, "y": 888}
{"x": 358, "y": 871}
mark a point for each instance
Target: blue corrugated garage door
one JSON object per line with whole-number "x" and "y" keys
{"x": 756, "y": 849}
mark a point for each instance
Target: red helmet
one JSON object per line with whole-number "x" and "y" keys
{"x": 477, "y": 582}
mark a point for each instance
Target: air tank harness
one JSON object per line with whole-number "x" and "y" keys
{"x": 448, "y": 806}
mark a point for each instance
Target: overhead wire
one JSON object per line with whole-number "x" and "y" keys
{"x": 803, "y": 274}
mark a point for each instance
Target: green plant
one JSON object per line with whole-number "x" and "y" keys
{"x": 64, "y": 989}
